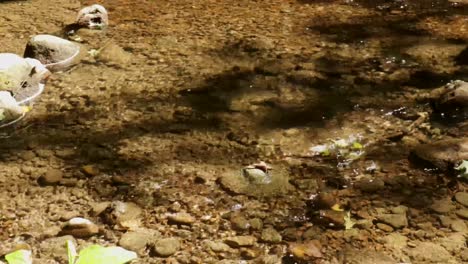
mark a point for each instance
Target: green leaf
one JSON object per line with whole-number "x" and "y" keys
{"x": 71, "y": 250}
{"x": 96, "y": 254}
{"x": 463, "y": 168}
{"x": 357, "y": 145}
{"x": 21, "y": 256}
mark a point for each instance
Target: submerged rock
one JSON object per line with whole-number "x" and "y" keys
{"x": 55, "y": 53}
{"x": 256, "y": 180}
{"x": 444, "y": 154}
{"x": 453, "y": 102}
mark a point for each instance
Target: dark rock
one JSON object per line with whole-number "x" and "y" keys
{"x": 444, "y": 154}
{"x": 51, "y": 177}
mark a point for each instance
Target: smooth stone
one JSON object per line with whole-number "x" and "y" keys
{"x": 240, "y": 241}
{"x": 442, "y": 206}
{"x": 462, "y": 198}
{"x": 181, "y": 218}
{"x": 135, "y": 240}
{"x": 54, "y": 52}
{"x": 80, "y": 228}
{"x": 51, "y": 177}
{"x": 166, "y": 247}
{"x": 216, "y": 246}
{"x": 463, "y": 213}
{"x": 397, "y": 221}
{"x": 307, "y": 251}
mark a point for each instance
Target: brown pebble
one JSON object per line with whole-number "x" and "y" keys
{"x": 51, "y": 177}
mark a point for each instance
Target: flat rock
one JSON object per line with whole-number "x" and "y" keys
{"x": 123, "y": 215}
{"x": 428, "y": 252}
{"x": 216, "y": 246}
{"x": 80, "y": 228}
{"x": 240, "y": 241}
{"x": 462, "y": 198}
{"x": 442, "y": 206}
{"x": 307, "y": 251}
{"x": 453, "y": 242}
{"x": 366, "y": 257}
{"x": 166, "y": 247}
{"x": 395, "y": 240}
{"x": 395, "y": 220}
{"x": 181, "y": 218}
{"x": 443, "y": 154}
{"x": 463, "y": 213}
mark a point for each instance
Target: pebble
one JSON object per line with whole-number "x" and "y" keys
{"x": 240, "y": 223}
{"x": 370, "y": 185}
{"x": 307, "y": 251}
{"x": 270, "y": 235}
{"x": 181, "y": 218}
{"x": 90, "y": 170}
{"x": 384, "y": 227}
{"x": 442, "y": 206}
{"x": 462, "y": 198}
{"x": 458, "y": 225}
{"x": 166, "y": 247}
{"x": 250, "y": 253}
{"x": 80, "y": 228}
{"x": 463, "y": 213}
{"x": 256, "y": 223}
{"x": 240, "y": 241}
{"x": 122, "y": 214}
{"x": 51, "y": 177}
{"x": 135, "y": 240}
{"x": 397, "y": 221}
{"x": 216, "y": 246}
{"x": 331, "y": 218}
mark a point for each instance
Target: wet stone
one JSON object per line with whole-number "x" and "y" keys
{"x": 428, "y": 252}
{"x": 395, "y": 240}
{"x": 370, "y": 185}
{"x": 55, "y": 247}
{"x": 135, "y": 241}
{"x": 366, "y": 257}
{"x": 442, "y": 206}
{"x": 240, "y": 241}
{"x": 462, "y": 198}
{"x": 166, "y": 247}
{"x": 384, "y": 227}
{"x": 240, "y": 223}
{"x": 463, "y": 213}
{"x": 331, "y": 218}
{"x": 80, "y": 228}
{"x": 90, "y": 170}
{"x": 307, "y": 251}
{"x": 250, "y": 253}
{"x": 458, "y": 225}
{"x": 51, "y": 177}
{"x": 256, "y": 223}
{"x": 270, "y": 235}
{"x": 181, "y": 219}
{"x": 397, "y": 221}
{"x": 216, "y": 246}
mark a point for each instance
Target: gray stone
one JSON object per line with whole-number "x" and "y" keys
{"x": 462, "y": 198}
{"x": 428, "y": 252}
{"x": 270, "y": 235}
{"x": 166, "y": 247}
{"x": 51, "y": 177}
{"x": 181, "y": 218}
{"x": 395, "y": 220}
{"x": 240, "y": 241}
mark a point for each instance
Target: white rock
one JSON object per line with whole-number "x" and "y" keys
{"x": 93, "y": 17}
